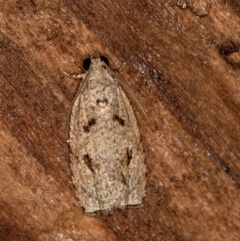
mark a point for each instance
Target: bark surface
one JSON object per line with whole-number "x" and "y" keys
{"x": 183, "y": 64}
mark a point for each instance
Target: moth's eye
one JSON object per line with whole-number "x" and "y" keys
{"x": 105, "y": 60}
{"x": 86, "y": 63}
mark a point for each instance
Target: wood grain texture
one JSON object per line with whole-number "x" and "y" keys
{"x": 182, "y": 64}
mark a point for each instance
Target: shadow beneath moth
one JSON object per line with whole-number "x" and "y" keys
{"x": 107, "y": 159}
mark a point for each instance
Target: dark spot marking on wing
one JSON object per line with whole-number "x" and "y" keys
{"x": 124, "y": 180}
{"x": 91, "y": 123}
{"x": 129, "y": 156}
{"x": 88, "y": 162}
{"x": 118, "y": 119}
{"x": 102, "y": 102}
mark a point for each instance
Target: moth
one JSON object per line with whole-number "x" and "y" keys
{"x": 107, "y": 158}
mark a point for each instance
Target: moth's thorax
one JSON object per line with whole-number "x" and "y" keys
{"x": 100, "y": 91}
{"x": 97, "y": 66}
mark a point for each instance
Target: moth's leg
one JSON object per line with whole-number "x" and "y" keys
{"x": 121, "y": 68}
{"x": 75, "y": 76}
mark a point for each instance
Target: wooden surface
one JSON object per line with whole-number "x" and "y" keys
{"x": 182, "y": 62}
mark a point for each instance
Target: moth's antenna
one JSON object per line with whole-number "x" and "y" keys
{"x": 74, "y": 76}
{"x": 129, "y": 91}
{"x": 135, "y": 99}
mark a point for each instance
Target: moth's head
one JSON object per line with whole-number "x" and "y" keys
{"x": 94, "y": 60}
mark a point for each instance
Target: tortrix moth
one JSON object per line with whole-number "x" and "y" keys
{"x": 107, "y": 158}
